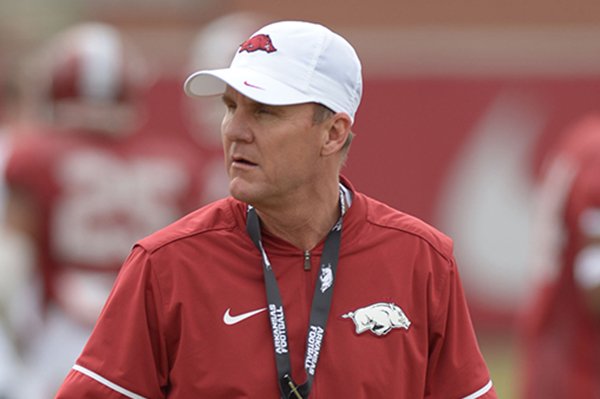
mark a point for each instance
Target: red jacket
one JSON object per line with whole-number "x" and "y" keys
{"x": 163, "y": 331}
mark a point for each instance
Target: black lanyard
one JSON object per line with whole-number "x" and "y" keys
{"x": 319, "y": 309}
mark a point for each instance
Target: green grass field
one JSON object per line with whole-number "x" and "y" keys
{"x": 500, "y": 352}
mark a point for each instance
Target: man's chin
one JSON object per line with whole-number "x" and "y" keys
{"x": 240, "y": 190}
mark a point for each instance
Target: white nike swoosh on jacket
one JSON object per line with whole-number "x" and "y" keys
{"x": 231, "y": 320}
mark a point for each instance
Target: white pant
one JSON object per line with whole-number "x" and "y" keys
{"x": 10, "y": 366}
{"x": 49, "y": 356}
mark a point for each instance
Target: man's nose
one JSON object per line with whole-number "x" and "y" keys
{"x": 236, "y": 126}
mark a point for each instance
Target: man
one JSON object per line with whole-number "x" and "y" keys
{"x": 562, "y": 323}
{"x": 237, "y": 300}
{"x": 84, "y": 184}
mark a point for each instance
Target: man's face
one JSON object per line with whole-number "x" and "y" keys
{"x": 272, "y": 153}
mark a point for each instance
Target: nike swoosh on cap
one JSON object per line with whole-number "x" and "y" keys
{"x": 231, "y": 320}
{"x": 253, "y": 86}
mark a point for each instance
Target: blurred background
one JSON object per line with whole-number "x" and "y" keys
{"x": 461, "y": 102}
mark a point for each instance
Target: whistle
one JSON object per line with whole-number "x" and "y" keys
{"x": 293, "y": 388}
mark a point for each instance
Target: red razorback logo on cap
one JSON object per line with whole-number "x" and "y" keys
{"x": 258, "y": 42}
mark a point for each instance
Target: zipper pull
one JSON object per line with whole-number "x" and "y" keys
{"x": 306, "y": 260}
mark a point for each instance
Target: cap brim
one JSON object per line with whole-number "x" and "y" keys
{"x": 252, "y": 84}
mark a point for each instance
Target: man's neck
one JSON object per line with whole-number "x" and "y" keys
{"x": 304, "y": 223}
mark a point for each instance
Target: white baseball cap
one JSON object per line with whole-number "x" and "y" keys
{"x": 289, "y": 62}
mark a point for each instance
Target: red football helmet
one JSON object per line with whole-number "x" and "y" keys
{"x": 94, "y": 62}
{"x": 88, "y": 77}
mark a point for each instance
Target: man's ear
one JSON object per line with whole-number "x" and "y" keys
{"x": 337, "y": 132}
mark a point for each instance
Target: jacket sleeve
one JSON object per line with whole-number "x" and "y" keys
{"x": 456, "y": 366}
{"x": 78, "y": 385}
{"x": 125, "y": 355}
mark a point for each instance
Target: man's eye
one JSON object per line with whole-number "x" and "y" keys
{"x": 228, "y": 103}
{"x": 264, "y": 111}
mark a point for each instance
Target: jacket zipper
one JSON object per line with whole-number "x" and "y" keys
{"x": 307, "y": 260}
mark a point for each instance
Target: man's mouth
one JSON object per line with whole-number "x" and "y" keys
{"x": 239, "y": 160}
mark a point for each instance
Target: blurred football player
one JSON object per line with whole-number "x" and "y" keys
{"x": 15, "y": 250}
{"x": 84, "y": 185}
{"x": 562, "y": 325}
